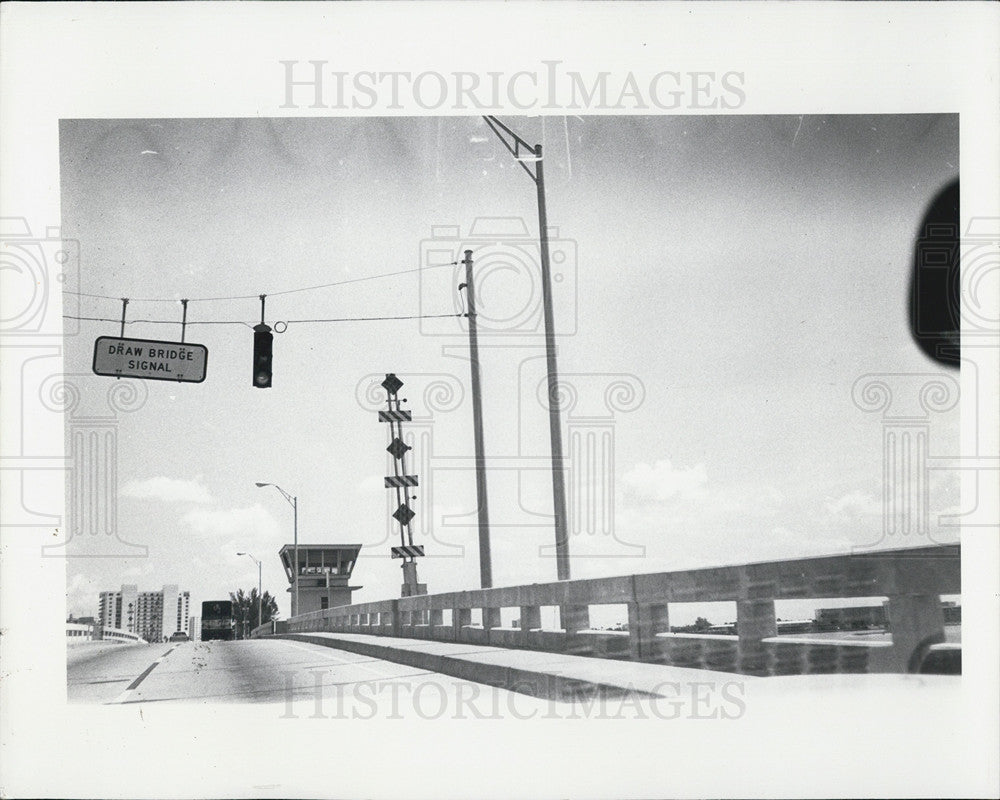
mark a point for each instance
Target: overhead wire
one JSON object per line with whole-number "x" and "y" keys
{"x": 250, "y": 325}
{"x": 185, "y": 322}
{"x": 118, "y": 298}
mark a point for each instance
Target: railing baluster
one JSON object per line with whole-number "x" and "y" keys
{"x": 915, "y": 621}
{"x": 531, "y": 620}
{"x": 491, "y": 619}
{"x": 755, "y": 620}
{"x": 644, "y": 622}
{"x": 460, "y": 618}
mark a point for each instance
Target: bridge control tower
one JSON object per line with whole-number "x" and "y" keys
{"x": 324, "y": 571}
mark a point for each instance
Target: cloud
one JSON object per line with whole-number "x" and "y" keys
{"x": 146, "y": 568}
{"x": 755, "y": 500}
{"x": 684, "y": 520}
{"x": 170, "y": 490}
{"x": 226, "y": 532}
{"x": 663, "y": 482}
{"x": 253, "y": 522}
{"x": 854, "y": 504}
{"x": 682, "y": 495}
{"x": 81, "y": 596}
{"x": 781, "y": 541}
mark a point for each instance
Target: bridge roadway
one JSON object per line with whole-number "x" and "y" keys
{"x": 324, "y": 676}
{"x": 321, "y": 675}
{"x": 302, "y": 678}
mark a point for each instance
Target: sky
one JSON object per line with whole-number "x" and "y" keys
{"x": 720, "y": 283}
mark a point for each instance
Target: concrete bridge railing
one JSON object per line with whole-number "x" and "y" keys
{"x": 271, "y": 627}
{"x": 77, "y": 632}
{"x": 912, "y": 580}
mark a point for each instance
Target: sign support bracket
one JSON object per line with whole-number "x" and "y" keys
{"x": 124, "y": 306}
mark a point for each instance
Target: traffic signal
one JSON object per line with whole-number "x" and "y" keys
{"x": 262, "y": 342}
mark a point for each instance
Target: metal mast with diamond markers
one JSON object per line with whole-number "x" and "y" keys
{"x": 400, "y": 482}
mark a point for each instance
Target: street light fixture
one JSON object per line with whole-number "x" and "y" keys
{"x": 526, "y": 155}
{"x": 294, "y": 501}
{"x": 260, "y": 596}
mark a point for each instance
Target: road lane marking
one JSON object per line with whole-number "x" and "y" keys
{"x": 142, "y": 677}
{"x": 127, "y": 694}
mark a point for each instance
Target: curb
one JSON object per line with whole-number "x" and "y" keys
{"x": 522, "y": 680}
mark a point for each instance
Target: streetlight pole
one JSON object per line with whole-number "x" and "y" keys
{"x": 294, "y": 501}
{"x": 523, "y": 152}
{"x": 260, "y": 596}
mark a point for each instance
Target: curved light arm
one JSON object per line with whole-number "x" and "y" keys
{"x": 292, "y": 501}
{"x": 523, "y": 152}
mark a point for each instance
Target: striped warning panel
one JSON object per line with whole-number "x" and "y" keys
{"x": 392, "y": 482}
{"x": 394, "y": 416}
{"x": 408, "y": 551}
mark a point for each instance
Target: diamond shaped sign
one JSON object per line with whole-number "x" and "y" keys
{"x": 404, "y": 514}
{"x": 392, "y": 384}
{"x": 398, "y": 448}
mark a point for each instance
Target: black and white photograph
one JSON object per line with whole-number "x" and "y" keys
{"x": 625, "y": 421}
{"x": 257, "y": 291}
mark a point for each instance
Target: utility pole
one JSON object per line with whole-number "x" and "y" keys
{"x": 295, "y": 531}
{"x": 555, "y": 425}
{"x": 485, "y": 558}
{"x": 524, "y": 154}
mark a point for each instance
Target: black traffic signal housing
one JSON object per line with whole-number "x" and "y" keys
{"x": 263, "y": 340}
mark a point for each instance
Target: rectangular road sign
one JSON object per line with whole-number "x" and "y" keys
{"x": 150, "y": 359}
{"x": 398, "y": 482}
{"x": 408, "y": 551}
{"x": 395, "y": 416}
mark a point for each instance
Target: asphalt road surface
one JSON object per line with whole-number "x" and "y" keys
{"x": 304, "y": 679}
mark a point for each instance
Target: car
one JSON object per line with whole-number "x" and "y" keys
{"x": 180, "y": 636}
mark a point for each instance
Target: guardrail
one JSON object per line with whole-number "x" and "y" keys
{"x": 912, "y": 580}
{"x": 84, "y": 632}
{"x": 271, "y": 627}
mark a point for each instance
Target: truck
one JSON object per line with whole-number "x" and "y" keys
{"x": 217, "y": 620}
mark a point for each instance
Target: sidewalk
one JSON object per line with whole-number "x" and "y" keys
{"x": 549, "y": 675}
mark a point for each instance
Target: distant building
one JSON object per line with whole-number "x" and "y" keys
{"x": 796, "y": 626}
{"x": 861, "y": 617}
{"x": 851, "y": 618}
{"x": 77, "y": 632}
{"x": 151, "y": 615}
{"x": 324, "y": 571}
{"x": 952, "y": 613}
{"x": 194, "y": 629}
{"x": 729, "y": 629}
